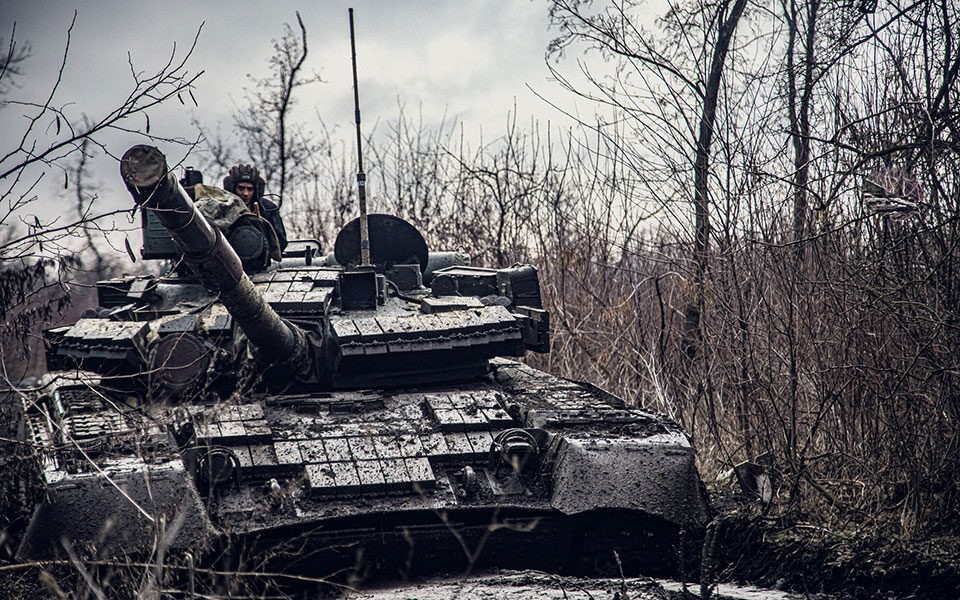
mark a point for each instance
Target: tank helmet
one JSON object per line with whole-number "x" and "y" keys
{"x": 244, "y": 174}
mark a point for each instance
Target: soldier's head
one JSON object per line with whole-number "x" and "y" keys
{"x": 245, "y": 181}
{"x": 246, "y": 190}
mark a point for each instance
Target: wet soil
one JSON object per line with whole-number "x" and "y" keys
{"x": 524, "y": 584}
{"x": 799, "y": 555}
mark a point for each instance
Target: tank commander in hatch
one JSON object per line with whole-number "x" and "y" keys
{"x": 245, "y": 182}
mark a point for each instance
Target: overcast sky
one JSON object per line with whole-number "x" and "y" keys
{"x": 471, "y": 61}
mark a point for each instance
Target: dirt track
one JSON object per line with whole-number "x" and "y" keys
{"x": 532, "y": 584}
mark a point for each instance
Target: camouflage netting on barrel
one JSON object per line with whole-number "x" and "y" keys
{"x": 227, "y": 212}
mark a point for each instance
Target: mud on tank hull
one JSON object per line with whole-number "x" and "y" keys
{"x": 602, "y": 543}
{"x": 365, "y": 484}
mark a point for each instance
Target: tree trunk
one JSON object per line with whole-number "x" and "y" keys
{"x": 800, "y": 114}
{"x": 701, "y": 171}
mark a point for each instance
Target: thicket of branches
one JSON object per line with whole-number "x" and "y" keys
{"x": 43, "y": 250}
{"x": 827, "y": 332}
{"x": 705, "y": 246}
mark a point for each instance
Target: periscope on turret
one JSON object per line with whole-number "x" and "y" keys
{"x": 337, "y": 410}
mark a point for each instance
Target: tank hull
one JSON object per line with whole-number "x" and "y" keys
{"x": 380, "y": 484}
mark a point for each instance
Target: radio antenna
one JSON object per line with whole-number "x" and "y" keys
{"x": 361, "y": 177}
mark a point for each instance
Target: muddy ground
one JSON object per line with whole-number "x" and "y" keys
{"x": 752, "y": 549}
{"x": 796, "y": 553}
{"x": 531, "y": 584}
{"x": 518, "y": 585}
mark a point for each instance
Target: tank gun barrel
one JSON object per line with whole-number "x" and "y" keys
{"x": 153, "y": 187}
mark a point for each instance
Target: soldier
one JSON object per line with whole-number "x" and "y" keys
{"x": 245, "y": 181}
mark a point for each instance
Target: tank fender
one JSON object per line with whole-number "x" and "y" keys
{"x": 655, "y": 475}
{"x": 131, "y": 513}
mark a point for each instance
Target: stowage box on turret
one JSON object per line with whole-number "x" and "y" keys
{"x": 327, "y": 414}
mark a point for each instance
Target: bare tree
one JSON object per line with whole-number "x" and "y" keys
{"x": 37, "y": 252}
{"x": 284, "y": 154}
{"x": 614, "y": 33}
{"x": 11, "y": 61}
{"x": 814, "y": 304}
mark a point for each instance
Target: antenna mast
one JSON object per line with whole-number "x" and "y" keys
{"x": 361, "y": 177}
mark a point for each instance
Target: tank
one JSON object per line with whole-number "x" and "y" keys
{"x": 319, "y": 416}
